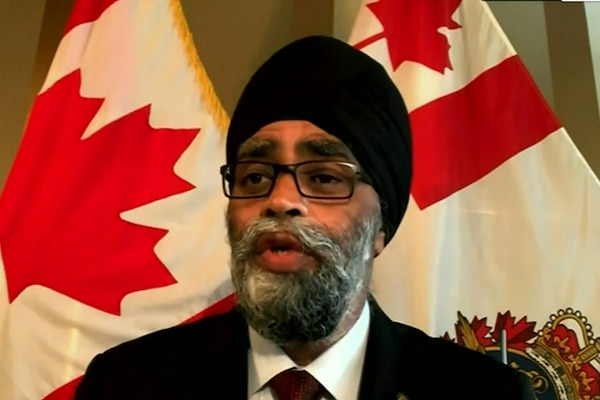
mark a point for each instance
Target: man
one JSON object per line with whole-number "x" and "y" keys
{"x": 318, "y": 176}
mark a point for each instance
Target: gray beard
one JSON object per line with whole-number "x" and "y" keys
{"x": 304, "y": 306}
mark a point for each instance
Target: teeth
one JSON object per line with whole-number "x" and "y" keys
{"x": 278, "y": 251}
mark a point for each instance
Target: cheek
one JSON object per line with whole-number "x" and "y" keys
{"x": 336, "y": 220}
{"x": 239, "y": 215}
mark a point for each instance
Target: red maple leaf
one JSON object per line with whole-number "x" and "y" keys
{"x": 467, "y": 333}
{"x": 480, "y": 330}
{"x": 517, "y": 333}
{"x": 411, "y": 28}
{"x": 60, "y": 224}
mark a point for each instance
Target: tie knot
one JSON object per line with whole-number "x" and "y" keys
{"x": 296, "y": 385}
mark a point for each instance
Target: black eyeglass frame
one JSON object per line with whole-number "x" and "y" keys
{"x": 226, "y": 169}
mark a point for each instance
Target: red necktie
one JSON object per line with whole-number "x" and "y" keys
{"x": 296, "y": 385}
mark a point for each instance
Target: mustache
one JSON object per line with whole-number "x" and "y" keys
{"x": 313, "y": 238}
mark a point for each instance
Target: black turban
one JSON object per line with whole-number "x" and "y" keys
{"x": 344, "y": 92}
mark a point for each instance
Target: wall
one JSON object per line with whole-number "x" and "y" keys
{"x": 592, "y": 13}
{"x": 573, "y": 82}
{"x": 20, "y": 24}
{"x": 234, "y": 37}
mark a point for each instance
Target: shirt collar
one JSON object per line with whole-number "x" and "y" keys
{"x": 338, "y": 369}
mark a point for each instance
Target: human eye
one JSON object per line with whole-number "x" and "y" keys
{"x": 253, "y": 178}
{"x": 325, "y": 179}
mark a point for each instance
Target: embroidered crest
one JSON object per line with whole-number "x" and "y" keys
{"x": 562, "y": 358}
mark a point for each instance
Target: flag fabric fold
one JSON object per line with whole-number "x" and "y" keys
{"x": 499, "y": 248}
{"x": 111, "y": 219}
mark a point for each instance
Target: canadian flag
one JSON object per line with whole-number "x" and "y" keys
{"x": 111, "y": 219}
{"x": 500, "y": 247}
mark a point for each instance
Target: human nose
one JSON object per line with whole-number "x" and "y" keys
{"x": 285, "y": 200}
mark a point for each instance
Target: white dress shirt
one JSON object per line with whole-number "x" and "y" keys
{"x": 338, "y": 369}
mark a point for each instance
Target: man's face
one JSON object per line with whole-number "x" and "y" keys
{"x": 298, "y": 263}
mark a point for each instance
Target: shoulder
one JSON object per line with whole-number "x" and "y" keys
{"x": 422, "y": 351}
{"x": 166, "y": 360}
{"x": 204, "y": 335}
{"x": 438, "y": 367}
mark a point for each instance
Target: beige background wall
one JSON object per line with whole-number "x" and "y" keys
{"x": 20, "y": 24}
{"x": 558, "y": 42}
{"x": 592, "y": 13}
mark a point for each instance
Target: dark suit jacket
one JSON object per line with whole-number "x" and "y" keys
{"x": 208, "y": 360}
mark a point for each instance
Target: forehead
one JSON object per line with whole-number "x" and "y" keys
{"x": 301, "y": 138}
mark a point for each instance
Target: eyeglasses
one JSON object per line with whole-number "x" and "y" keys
{"x": 333, "y": 180}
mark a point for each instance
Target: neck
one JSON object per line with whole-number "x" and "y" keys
{"x": 305, "y": 353}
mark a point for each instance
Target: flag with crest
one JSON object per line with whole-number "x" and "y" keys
{"x": 499, "y": 248}
{"x": 111, "y": 219}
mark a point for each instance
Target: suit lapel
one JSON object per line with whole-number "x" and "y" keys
{"x": 219, "y": 369}
{"x": 235, "y": 362}
{"x": 385, "y": 370}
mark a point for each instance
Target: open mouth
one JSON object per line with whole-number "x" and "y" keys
{"x": 282, "y": 252}
{"x": 278, "y": 242}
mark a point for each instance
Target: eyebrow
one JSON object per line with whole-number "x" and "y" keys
{"x": 256, "y": 148}
{"x": 325, "y": 148}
